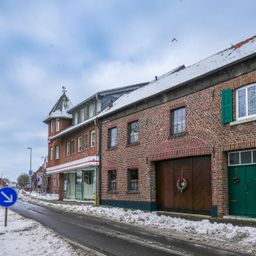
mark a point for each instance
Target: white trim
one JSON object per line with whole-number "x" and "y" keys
{"x": 90, "y": 161}
{"x": 240, "y": 151}
{"x": 246, "y": 103}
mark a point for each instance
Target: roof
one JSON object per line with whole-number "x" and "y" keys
{"x": 108, "y": 92}
{"x": 236, "y": 53}
{"x": 60, "y": 109}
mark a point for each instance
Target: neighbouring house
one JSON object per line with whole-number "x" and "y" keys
{"x": 73, "y": 148}
{"x": 186, "y": 142}
{"x": 3, "y": 183}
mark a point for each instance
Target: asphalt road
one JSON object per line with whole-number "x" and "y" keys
{"x": 111, "y": 238}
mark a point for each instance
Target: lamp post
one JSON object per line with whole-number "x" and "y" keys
{"x": 44, "y": 173}
{"x": 30, "y": 170}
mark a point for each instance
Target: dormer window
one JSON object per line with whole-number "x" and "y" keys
{"x": 57, "y": 125}
{"x": 76, "y": 118}
{"x": 246, "y": 102}
{"x": 91, "y": 110}
{"x": 81, "y": 115}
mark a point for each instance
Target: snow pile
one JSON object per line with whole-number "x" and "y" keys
{"x": 244, "y": 237}
{"x": 27, "y": 237}
{"x": 47, "y": 196}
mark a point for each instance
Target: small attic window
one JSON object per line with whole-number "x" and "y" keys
{"x": 57, "y": 125}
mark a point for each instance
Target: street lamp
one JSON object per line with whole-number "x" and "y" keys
{"x": 30, "y": 170}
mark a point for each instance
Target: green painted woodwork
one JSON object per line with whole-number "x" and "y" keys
{"x": 226, "y": 105}
{"x": 242, "y": 199}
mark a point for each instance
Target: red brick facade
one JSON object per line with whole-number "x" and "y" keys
{"x": 205, "y": 135}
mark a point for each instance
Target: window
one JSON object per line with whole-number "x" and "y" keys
{"x": 68, "y": 148}
{"x": 245, "y": 157}
{"x": 76, "y": 118}
{"x": 79, "y": 144}
{"x": 112, "y": 137}
{"x": 133, "y": 180}
{"x": 178, "y": 121}
{"x": 246, "y": 102}
{"x": 57, "y": 125}
{"x": 92, "y": 138}
{"x": 72, "y": 147}
{"x": 112, "y": 180}
{"x": 133, "y": 132}
{"x": 91, "y": 110}
{"x": 51, "y": 126}
{"x": 57, "y": 152}
{"x": 86, "y": 141}
{"x": 81, "y": 115}
{"x": 51, "y": 153}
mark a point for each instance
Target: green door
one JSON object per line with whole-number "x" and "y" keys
{"x": 242, "y": 190}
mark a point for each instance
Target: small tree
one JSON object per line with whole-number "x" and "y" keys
{"x": 23, "y": 180}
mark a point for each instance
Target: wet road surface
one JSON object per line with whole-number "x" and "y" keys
{"x": 112, "y": 238}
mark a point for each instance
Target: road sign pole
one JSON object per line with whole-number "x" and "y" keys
{"x": 5, "y": 217}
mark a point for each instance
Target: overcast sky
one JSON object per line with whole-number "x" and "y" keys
{"x": 91, "y": 45}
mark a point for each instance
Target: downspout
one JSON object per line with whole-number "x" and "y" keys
{"x": 99, "y": 152}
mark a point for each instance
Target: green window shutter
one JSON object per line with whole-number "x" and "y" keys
{"x": 227, "y": 106}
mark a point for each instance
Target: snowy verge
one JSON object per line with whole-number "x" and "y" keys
{"x": 26, "y": 237}
{"x": 227, "y": 236}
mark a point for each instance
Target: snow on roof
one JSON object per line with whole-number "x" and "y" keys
{"x": 60, "y": 109}
{"x": 172, "y": 79}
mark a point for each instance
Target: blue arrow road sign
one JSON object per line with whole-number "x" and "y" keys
{"x": 37, "y": 180}
{"x": 8, "y": 197}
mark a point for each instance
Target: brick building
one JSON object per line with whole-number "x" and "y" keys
{"x": 186, "y": 141}
{"x": 73, "y": 149}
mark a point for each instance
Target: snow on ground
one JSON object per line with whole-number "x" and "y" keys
{"x": 218, "y": 234}
{"x": 47, "y": 197}
{"x": 26, "y": 237}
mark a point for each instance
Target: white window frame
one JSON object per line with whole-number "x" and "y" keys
{"x": 68, "y": 148}
{"x": 239, "y": 164}
{"x": 86, "y": 142}
{"x": 246, "y": 102}
{"x": 51, "y": 126}
{"x": 57, "y": 152}
{"x": 51, "y": 153}
{"x": 57, "y": 125}
{"x": 76, "y": 118}
{"x": 92, "y": 140}
{"x": 79, "y": 144}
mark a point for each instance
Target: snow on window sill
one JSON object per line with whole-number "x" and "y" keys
{"x": 247, "y": 120}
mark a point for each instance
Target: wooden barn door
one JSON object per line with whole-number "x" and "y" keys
{"x": 197, "y": 197}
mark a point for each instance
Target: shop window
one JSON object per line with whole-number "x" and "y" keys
{"x": 246, "y": 102}
{"x": 112, "y": 137}
{"x": 88, "y": 178}
{"x": 133, "y": 180}
{"x": 112, "y": 180}
{"x": 254, "y": 156}
{"x": 178, "y": 121}
{"x": 133, "y": 132}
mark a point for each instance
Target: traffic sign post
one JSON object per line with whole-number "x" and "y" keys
{"x": 8, "y": 197}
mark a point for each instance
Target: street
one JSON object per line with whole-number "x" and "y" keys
{"x": 111, "y": 238}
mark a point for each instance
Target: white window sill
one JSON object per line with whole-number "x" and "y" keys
{"x": 247, "y": 120}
